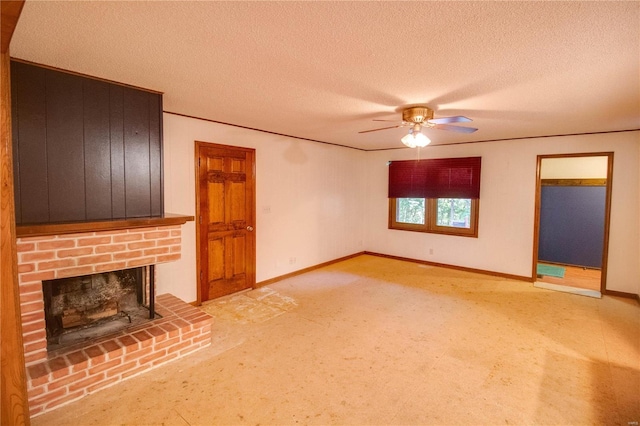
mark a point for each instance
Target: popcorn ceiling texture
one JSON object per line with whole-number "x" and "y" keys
{"x": 324, "y": 70}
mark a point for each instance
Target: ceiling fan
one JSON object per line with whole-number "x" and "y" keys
{"x": 419, "y": 117}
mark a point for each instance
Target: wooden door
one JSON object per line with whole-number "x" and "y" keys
{"x": 225, "y": 204}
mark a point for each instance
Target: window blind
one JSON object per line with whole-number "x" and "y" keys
{"x": 435, "y": 178}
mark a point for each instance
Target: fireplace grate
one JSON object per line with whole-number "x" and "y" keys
{"x": 80, "y": 309}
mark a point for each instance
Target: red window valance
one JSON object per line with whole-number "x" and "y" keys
{"x": 435, "y": 178}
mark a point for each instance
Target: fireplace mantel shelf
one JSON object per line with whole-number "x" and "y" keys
{"x": 103, "y": 225}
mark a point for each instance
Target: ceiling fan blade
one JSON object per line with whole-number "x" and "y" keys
{"x": 383, "y": 128}
{"x": 459, "y": 129}
{"x": 393, "y": 121}
{"x": 454, "y": 119}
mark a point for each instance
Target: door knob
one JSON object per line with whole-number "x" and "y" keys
{"x": 249, "y": 228}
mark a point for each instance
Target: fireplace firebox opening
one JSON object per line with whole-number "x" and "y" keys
{"x": 79, "y": 309}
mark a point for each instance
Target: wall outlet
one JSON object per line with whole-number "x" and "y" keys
{"x": 430, "y": 251}
{"x": 292, "y": 260}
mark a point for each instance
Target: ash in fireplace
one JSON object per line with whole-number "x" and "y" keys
{"x": 100, "y": 328}
{"x": 83, "y": 308}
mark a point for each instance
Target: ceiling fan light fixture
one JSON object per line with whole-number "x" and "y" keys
{"x": 409, "y": 140}
{"x": 421, "y": 117}
{"x": 415, "y": 139}
{"x": 421, "y": 140}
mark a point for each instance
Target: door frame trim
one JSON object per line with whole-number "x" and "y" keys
{"x": 251, "y": 269}
{"x": 607, "y": 212}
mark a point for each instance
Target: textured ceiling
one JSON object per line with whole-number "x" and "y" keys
{"x": 325, "y": 70}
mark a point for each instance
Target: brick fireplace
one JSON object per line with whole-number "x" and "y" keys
{"x": 59, "y": 376}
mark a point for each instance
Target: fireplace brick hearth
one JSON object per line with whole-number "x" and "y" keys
{"x": 60, "y": 376}
{"x": 71, "y": 373}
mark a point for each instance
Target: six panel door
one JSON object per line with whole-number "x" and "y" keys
{"x": 226, "y": 212}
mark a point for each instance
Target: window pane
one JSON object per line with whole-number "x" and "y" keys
{"x": 410, "y": 210}
{"x": 454, "y": 212}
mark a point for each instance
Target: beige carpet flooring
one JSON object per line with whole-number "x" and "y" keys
{"x": 383, "y": 342}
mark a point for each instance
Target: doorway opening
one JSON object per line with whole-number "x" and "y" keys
{"x": 571, "y": 235}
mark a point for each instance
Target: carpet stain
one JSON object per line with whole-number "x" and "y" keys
{"x": 251, "y": 307}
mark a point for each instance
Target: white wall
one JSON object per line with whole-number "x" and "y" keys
{"x": 507, "y": 203}
{"x": 574, "y": 168}
{"x": 319, "y": 202}
{"x": 309, "y": 200}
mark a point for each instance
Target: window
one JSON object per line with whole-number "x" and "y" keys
{"x": 453, "y": 212}
{"x": 456, "y": 216}
{"x": 438, "y": 196}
